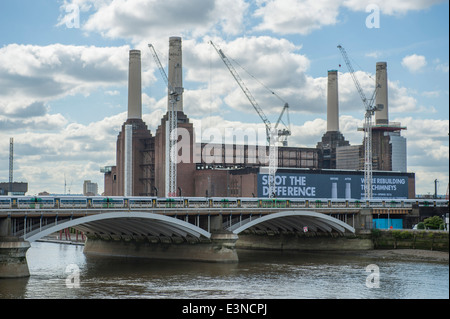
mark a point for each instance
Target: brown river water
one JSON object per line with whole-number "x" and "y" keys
{"x": 61, "y": 271}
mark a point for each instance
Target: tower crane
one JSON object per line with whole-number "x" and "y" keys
{"x": 282, "y": 133}
{"x": 368, "y": 123}
{"x": 171, "y": 154}
{"x": 274, "y": 134}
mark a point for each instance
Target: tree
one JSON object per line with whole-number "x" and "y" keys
{"x": 433, "y": 222}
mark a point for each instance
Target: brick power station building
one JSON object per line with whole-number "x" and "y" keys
{"x": 230, "y": 170}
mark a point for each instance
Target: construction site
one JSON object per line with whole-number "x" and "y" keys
{"x": 170, "y": 163}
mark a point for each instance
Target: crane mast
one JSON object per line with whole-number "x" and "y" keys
{"x": 171, "y": 154}
{"x": 368, "y": 123}
{"x": 271, "y": 133}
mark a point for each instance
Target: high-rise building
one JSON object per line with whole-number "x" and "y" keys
{"x": 89, "y": 188}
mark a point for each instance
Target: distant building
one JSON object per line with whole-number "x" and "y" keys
{"x": 89, "y": 188}
{"x": 18, "y": 188}
{"x": 398, "y": 150}
{"x": 350, "y": 157}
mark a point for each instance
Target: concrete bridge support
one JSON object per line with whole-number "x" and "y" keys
{"x": 159, "y": 237}
{"x": 219, "y": 248}
{"x": 364, "y": 221}
{"x": 13, "y": 260}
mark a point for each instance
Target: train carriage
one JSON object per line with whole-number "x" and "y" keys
{"x": 72, "y": 202}
{"x": 26, "y": 202}
{"x": 5, "y": 202}
{"x": 109, "y": 202}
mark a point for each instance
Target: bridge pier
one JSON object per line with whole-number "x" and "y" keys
{"x": 13, "y": 260}
{"x": 220, "y": 248}
{"x": 224, "y": 246}
{"x": 364, "y": 221}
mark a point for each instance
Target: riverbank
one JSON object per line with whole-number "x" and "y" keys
{"x": 410, "y": 254}
{"x": 408, "y": 239}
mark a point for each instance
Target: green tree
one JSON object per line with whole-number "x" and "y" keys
{"x": 433, "y": 222}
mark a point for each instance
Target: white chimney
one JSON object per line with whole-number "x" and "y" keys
{"x": 176, "y": 71}
{"x": 332, "y": 102}
{"x": 382, "y": 116}
{"x": 134, "y": 86}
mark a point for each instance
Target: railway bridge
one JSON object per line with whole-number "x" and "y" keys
{"x": 205, "y": 229}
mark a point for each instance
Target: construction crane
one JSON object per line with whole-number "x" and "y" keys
{"x": 171, "y": 154}
{"x": 368, "y": 123}
{"x": 274, "y": 135}
{"x": 283, "y": 133}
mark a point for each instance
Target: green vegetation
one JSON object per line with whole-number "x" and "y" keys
{"x": 434, "y": 222}
{"x": 410, "y": 239}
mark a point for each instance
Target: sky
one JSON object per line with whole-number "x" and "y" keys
{"x": 64, "y": 72}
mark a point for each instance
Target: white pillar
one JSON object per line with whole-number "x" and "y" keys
{"x": 334, "y": 193}
{"x": 348, "y": 190}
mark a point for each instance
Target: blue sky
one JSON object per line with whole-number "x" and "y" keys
{"x": 63, "y": 90}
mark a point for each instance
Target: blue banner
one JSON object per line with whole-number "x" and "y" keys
{"x": 291, "y": 185}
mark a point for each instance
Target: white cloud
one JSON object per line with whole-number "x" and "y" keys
{"x": 441, "y": 66}
{"x": 150, "y": 19}
{"x": 431, "y": 93}
{"x": 31, "y": 75}
{"x": 374, "y": 54}
{"x": 112, "y": 92}
{"x": 43, "y": 157}
{"x": 293, "y": 16}
{"x": 414, "y": 63}
{"x": 428, "y": 153}
{"x": 256, "y": 59}
{"x": 305, "y": 16}
{"x": 391, "y": 7}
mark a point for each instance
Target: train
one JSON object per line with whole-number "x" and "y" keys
{"x": 121, "y": 202}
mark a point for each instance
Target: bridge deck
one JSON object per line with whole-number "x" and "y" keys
{"x": 80, "y": 212}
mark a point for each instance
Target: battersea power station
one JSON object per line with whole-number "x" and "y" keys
{"x": 332, "y": 169}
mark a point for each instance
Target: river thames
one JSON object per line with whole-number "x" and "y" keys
{"x": 61, "y": 271}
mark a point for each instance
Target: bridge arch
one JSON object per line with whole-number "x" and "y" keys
{"x": 125, "y": 223}
{"x": 294, "y": 221}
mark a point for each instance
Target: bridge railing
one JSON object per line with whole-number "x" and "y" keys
{"x": 118, "y": 202}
